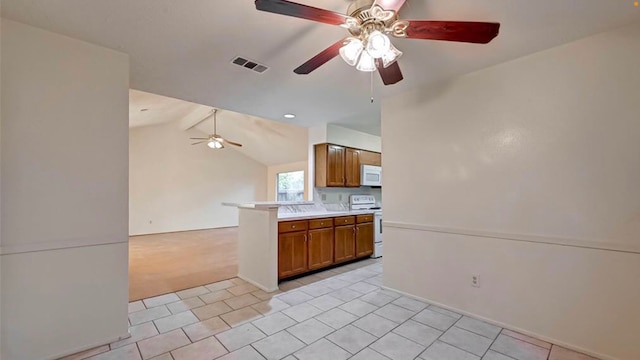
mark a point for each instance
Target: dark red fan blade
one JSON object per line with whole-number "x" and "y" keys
{"x": 390, "y": 75}
{"x": 463, "y": 31}
{"x": 289, "y": 8}
{"x": 319, "y": 60}
{"x": 394, "y": 5}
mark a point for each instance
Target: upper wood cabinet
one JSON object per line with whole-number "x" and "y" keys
{"x": 339, "y": 166}
{"x": 370, "y": 158}
{"x": 352, "y": 168}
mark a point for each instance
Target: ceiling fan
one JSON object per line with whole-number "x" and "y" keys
{"x": 214, "y": 140}
{"x": 370, "y": 22}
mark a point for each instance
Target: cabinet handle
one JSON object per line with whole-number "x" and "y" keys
{"x": 293, "y": 226}
{"x": 305, "y": 237}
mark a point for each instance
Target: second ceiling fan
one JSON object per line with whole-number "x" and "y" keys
{"x": 370, "y": 22}
{"x": 214, "y": 140}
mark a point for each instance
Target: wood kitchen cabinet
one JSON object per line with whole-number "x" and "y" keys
{"x": 292, "y": 253}
{"x": 364, "y": 239}
{"x": 320, "y": 248}
{"x": 307, "y": 245}
{"x": 337, "y": 166}
{"x": 345, "y": 243}
{"x": 370, "y": 158}
{"x": 352, "y": 168}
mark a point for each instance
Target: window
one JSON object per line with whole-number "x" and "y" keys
{"x": 291, "y": 186}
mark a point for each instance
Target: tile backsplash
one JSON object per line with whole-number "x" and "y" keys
{"x": 338, "y": 198}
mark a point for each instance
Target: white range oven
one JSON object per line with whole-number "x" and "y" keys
{"x": 368, "y": 202}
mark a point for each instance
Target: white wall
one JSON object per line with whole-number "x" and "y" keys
{"x": 64, "y": 194}
{"x": 272, "y": 177}
{"x": 356, "y": 139}
{"x": 0, "y": 187}
{"x": 177, "y": 186}
{"x": 526, "y": 173}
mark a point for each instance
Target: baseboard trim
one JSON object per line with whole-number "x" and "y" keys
{"x": 181, "y": 231}
{"x": 505, "y": 326}
{"x": 263, "y": 288}
{"x": 85, "y": 348}
{"x": 540, "y": 239}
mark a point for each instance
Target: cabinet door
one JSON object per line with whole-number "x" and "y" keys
{"x": 364, "y": 239}
{"x": 352, "y": 168}
{"x": 345, "y": 243}
{"x": 320, "y": 248}
{"x": 370, "y": 158}
{"x": 335, "y": 165}
{"x": 292, "y": 254}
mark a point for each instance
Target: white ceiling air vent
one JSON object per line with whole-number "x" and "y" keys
{"x": 249, "y": 64}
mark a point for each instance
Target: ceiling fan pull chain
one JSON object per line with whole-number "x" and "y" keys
{"x": 371, "y": 83}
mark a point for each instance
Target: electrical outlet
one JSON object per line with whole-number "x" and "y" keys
{"x": 324, "y": 197}
{"x": 339, "y": 197}
{"x": 475, "y": 280}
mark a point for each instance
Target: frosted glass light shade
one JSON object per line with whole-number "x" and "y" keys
{"x": 378, "y": 44}
{"x": 351, "y": 51}
{"x": 214, "y": 144}
{"x": 366, "y": 62}
{"x": 390, "y": 56}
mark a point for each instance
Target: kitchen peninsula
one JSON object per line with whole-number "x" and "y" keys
{"x": 275, "y": 242}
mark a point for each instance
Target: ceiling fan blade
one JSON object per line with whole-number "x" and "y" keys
{"x": 289, "y": 8}
{"x": 394, "y": 5}
{"x": 462, "y": 31}
{"x": 320, "y": 59}
{"x": 232, "y": 143}
{"x": 391, "y": 74}
{"x": 198, "y": 138}
{"x": 199, "y": 142}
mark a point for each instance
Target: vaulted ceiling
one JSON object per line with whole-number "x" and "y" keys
{"x": 183, "y": 49}
{"x": 266, "y": 141}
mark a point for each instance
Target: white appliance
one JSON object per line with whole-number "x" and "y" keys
{"x": 371, "y": 175}
{"x": 368, "y": 202}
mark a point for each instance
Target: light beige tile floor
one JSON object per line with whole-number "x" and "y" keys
{"x": 340, "y": 313}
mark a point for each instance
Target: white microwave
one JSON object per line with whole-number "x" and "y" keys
{"x": 371, "y": 175}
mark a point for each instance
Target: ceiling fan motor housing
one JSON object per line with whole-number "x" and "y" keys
{"x": 369, "y": 19}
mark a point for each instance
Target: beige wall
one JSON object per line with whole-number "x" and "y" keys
{"x": 175, "y": 186}
{"x": 527, "y": 174}
{"x": 64, "y": 194}
{"x": 272, "y": 175}
{"x": 356, "y": 139}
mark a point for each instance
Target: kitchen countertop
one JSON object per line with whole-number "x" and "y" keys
{"x": 322, "y": 214}
{"x": 265, "y": 205}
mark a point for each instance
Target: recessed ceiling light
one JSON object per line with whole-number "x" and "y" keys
{"x": 289, "y": 116}
{"x": 145, "y": 109}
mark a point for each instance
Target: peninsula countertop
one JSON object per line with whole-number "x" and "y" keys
{"x": 321, "y": 214}
{"x": 264, "y": 205}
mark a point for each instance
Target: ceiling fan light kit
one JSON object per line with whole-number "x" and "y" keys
{"x": 370, "y": 23}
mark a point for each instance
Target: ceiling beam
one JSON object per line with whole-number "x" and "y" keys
{"x": 195, "y": 117}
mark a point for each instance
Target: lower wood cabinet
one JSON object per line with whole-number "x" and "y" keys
{"x": 305, "y": 246}
{"x": 292, "y": 254}
{"x": 320, "y": 248}
{"x": 364, "y": 239}
{"x": 345, "y": 243}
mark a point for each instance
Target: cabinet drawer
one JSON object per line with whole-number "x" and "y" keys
{"x": 364, "y": 218}
{"x": 289, "y": 226}
{"x": 320, "y": 223}
{"x": 345, "y": 220}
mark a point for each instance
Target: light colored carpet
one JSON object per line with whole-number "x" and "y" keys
{"x": 166, "y": 263}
